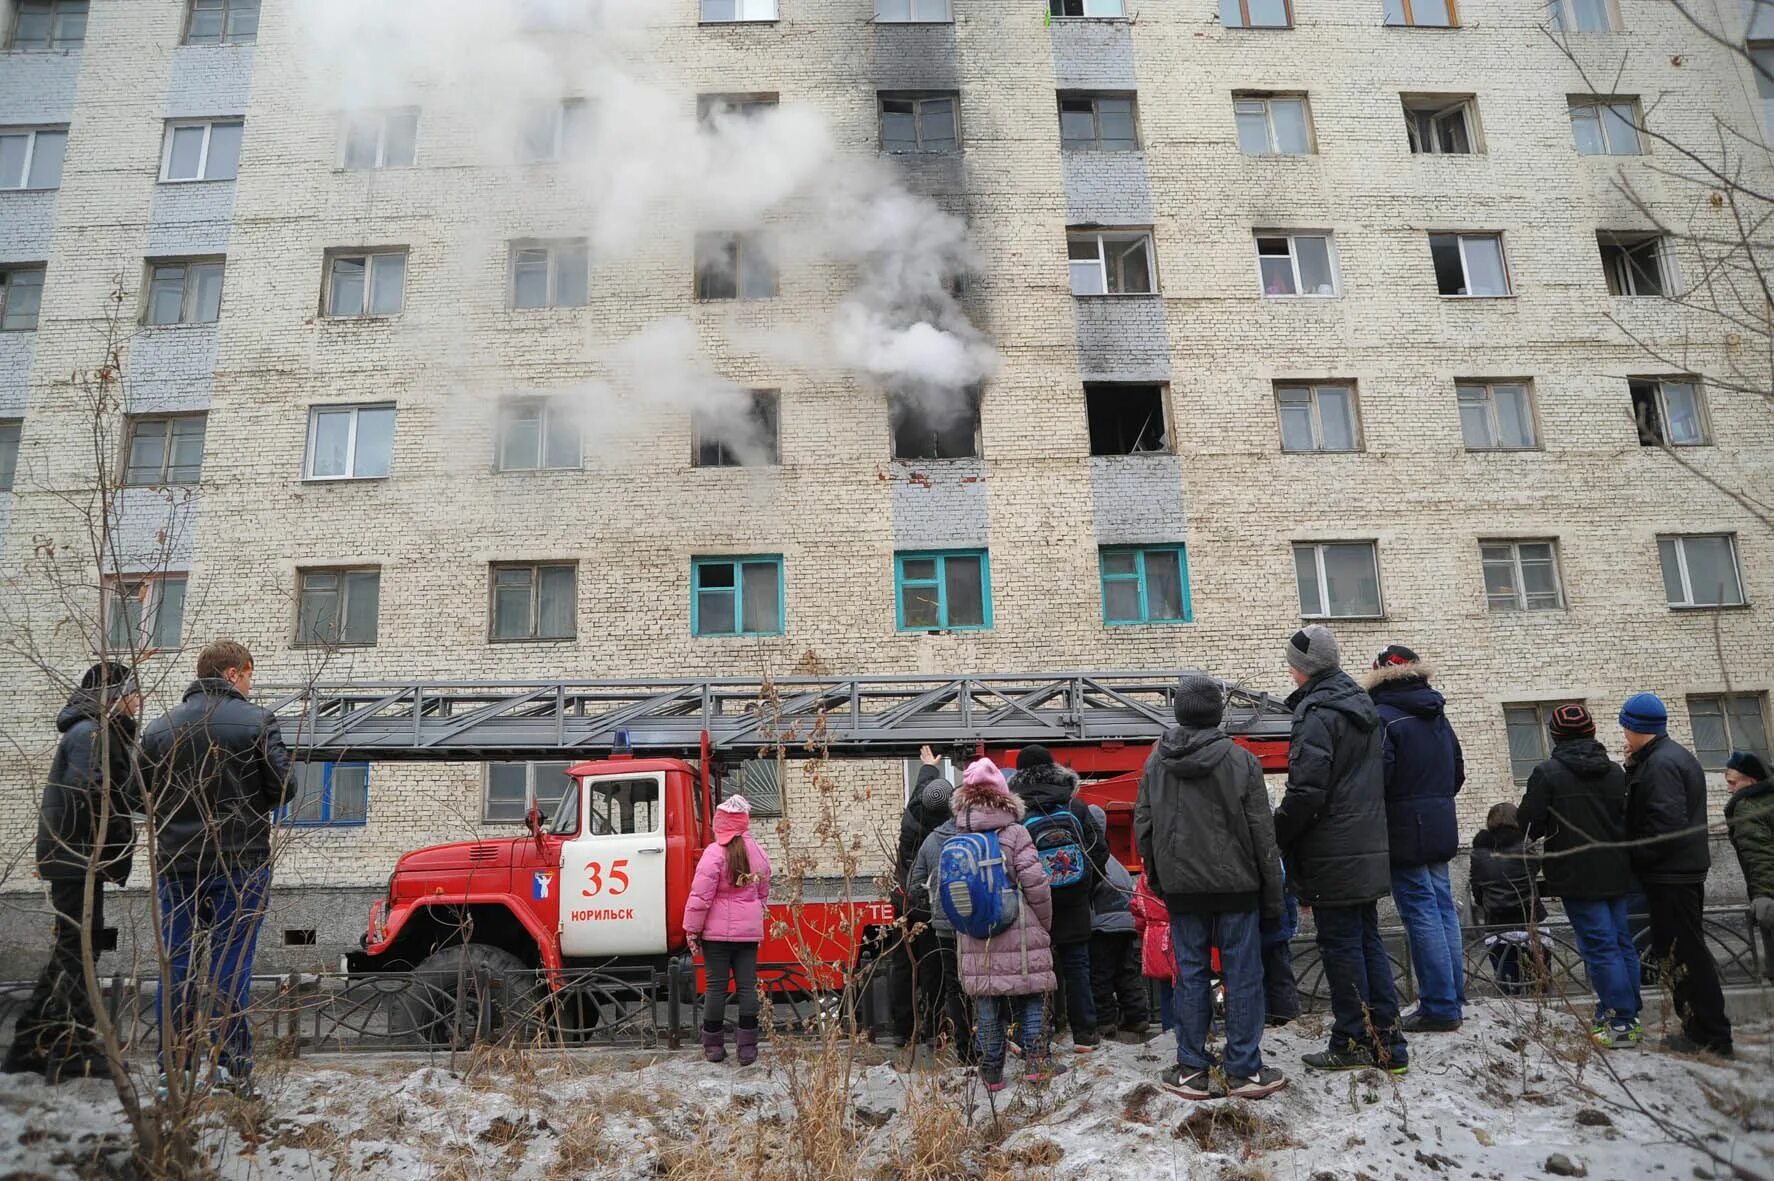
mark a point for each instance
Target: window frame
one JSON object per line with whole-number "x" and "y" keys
{"x": 546, "y": 406}
{"x": 556, "y": 249}
{"x": 1312, "y": 388}
{"x": 1102, "y": 235}
{"x": 50, "y": 44}
{"x": 383, "y": 117}
{"x": 315, "y": 413}
{"x": 1109, "y": 389}
{"x": 222, "y": 38}
{"x": 1616, "y": 24}
{"x": 134, "y": 424}
{"x": 1139, "y": 552}
{"x": 1726, "y": 715}
{"x": 1120, "y": 15}
{"x": 905, "y": 413}
{"x": 700, "y": 562}
{"x": 530, "y": 793}
{"x": 1596, "y": 103}
{"x": 702, "y": 17}
{"x": 10, "y": 282}
{"x": 1493, "y": 417}
{"x": 1244, "y": 13}
{"x": 1318, "y": 548}
{"x": 31, "y": 134}
{"x": 371, "y": 257}
{"x": 736, "y": 243}
{"x": 343, "y": 574}
{"x": 1660, "y": 397}
{"x": 918, "y": 98}
{"x": 535, "y": 569}
{"x": 948, "y": 7}
{"x": 286, "y": 815}
{"x": 1418, "y": 103}
{"x": 564, "y": 147}
{"x": 188, "y": 290}
{"x": 12, "y": 434}
{"x": 1619, "y": 272}
{"x": 209, "y": 125}
{"x": 1407, "y": 14}
{"x": 1273, "y": 141}
{"x": 1542, "y": 711}
{"x": 1095, "y": 98}
{"x": 1679, "y": 543}
{"x": 1461, "y": 237}
{"x": 940, "y": 582}
{"x": 149, "y": 590}
{"x": 1516, "y": 562}
{"x": 760, "y": 398}
{"x": 1293, "y": 256}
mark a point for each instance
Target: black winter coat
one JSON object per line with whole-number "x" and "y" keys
{"x": 1331, "y": 824}
{"x": 1203, "y": 826}
{"x": 1577, "y": 799}
{"x": 1749, "y": 813}
{"x": 1503, "y": 877}
{"x": 68, "y": 833}
{"x": 1424, "y": 767}
{"x": 1049, "y": 788}
{"x": 915, "y": 823}
{"x": 218, "y": 768}
{"x": 1666, "y": 795}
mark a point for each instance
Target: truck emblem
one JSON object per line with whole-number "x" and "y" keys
{"x": 541, "y": 884}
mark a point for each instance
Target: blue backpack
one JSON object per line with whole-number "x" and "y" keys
{"x": 974, "y": 887}
{"x": 1059, "y": 840}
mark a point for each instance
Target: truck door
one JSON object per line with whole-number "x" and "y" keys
{"x": 613, "y": 869}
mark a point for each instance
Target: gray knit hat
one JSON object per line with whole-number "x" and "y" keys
{"x": 1314, "y": 650}
{"x": 935, "y": 796}
{"x": 1199, "y": 701}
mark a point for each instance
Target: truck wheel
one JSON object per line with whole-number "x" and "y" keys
{"x": 471, "y": 991}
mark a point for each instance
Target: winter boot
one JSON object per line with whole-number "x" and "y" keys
{"x": 747, "y": 1039}
{"x": 714, "y": 1044}
{"x": 992, "y": 1077}
{"x": 23, "y": 1058}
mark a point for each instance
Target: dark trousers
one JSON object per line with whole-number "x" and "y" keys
{"x": 1281, "y": 991}
{"x": 954, "y": 1021}
{"x": 729, "y": 962}
{"x": 1116, "y": 984}
{"x": 1360, "y": 979}
{"x": 57, "y": 1022}
{"x": 1678, "y": 948}
{"x": 209, "y": 927}
{"x": 1072, "y": 960}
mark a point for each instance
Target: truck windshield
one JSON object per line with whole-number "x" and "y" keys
{"x": 566, "y": 816}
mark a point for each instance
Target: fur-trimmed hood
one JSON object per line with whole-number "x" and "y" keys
{"x": 1417, "y": 670}
{"x": 1405, "y": 688}
{"x": 1047, "y": 786}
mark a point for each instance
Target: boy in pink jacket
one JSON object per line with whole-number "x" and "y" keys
{"x": 724, "y": 920}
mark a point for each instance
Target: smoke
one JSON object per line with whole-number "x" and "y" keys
{"x": 649, "y": 174}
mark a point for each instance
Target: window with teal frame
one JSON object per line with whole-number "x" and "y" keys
{"x": 737, "y": 596}
{"x": 1145, "y": 584}
{"x": 943, "y": 590}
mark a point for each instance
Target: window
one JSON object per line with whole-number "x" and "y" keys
{"x": 144, "y": 612}
{"x": 510, "y": 784}
{"x": 733, "y": 266}
{"x": 760, "y": 782}
{"x": 1441, "y": 124}
{"x": 1422, "y": 14}
{"x": 21, "y": 293}
{"x": 934, "y": 430}
{"x": 1273, "y": 125}
{"x": 918, "y": 123}
{"x": 164, "y": 450}
{"x": 559, "y": 131}
{"x": 10, "y": 431}
{"x": 184, "y": 291}
{"x": 1606, "y": 126}
{"x": 1145, "y": 584}
{"x": 1097, "y": 122}
{"x": 366, "y": 284}
{"x": 1636, "y": 264}
{"x": 350, "y": 442}
{"x": 550, "y": 274}
{"x": 1521, "y": 576}
{"x": 904, "y": 11}
{"x": 1125, "y": 419}
{"x": 222, "y": 22}
{"x": 1317, "y": 417}
{"x": 945, "y": 591}
{"x": 1257, "y": 14}
{"x": 1114, "y": 262}
{"x": 1726, "y": 722}
{"x": 1338, "y": 579}
{"x": 328, "y": 795}
{"x": 1496, "y": 415}
{"x": 1585, "y": 16}
{"x": 537, "y": 433}
{"x": 1667, "y": 411}
{"x": 1099, "y": 9}
{"x": 381, "y": 139}
{"x": 49, "y": 24}
{"x": 736, "y": 596}
{"x": 1469, "y": 264}
{"x": 201, "y": 151}
{"x": 31, "y": 158}
{"x": 711, "y": 108}
{"x": 534, "y": 601}
{"x": 1701, "y": 570}
{"x": 1296, "y": 264}
{"x": 336, "y": 607}
{"x": 740, "y": 432}
{"x": 724, "y": 11}
{"x": 1526, "y": 725}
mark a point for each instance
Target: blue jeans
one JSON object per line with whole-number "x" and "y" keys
{"x": 1167, "y": 1005}
{"x": 1604, "y": 940}
{"x": 1236, "y": 934}
{"x": 1073, "y": 962}
{"x": 215, "y": 920}
{"x": 1432, "y": 928}
{"x": 992, "y": 1013}
{"x": 1360, "y": 980}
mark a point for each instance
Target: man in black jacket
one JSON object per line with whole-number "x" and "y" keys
{"x": 216, "y": 770}
{"x": 911, "y": 976}
{"x": 1666, "y": 809}
{"x": 1331, "y": 827}
{"x": 1576, "y": 800}
{"x": 83, "y": 827}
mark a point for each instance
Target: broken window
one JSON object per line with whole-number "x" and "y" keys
{"x": 31, "y": 158}
{"x": 550, "y": 274}
{"x": 913, "y": 11}
{"x": 337, "y": 607}
{"x": 1668, "y": 412}
{"x": 537, "y": 433}
{"x": 1257, "y": 14}
{"x": 1440, "y": 124}
{"x": 1296, "y": 263}
{"x": 350, "y": 442}
{"x": 736, "y": 596}
{"x": 48, "y": 24}
{"x": 1432, "y": 14}
{"x": 1636, "y": 264}
{"x": 366, "y": 284}
{"x": 1585, "y": 16}
{"x": 196, "y": 150}
{"x": 1701, "y": 571}
{"x": 558, "y": 131}
{"x": 143, "y": 612}
{"x": 164, "y": 449}
{"x": 222, "y": 22}
{"x": 381, "y": 139}
{"x": 733, "y": 266}
{"x": 1469, "y": 264}
{"x": 1097, "y": 122}
{"x": 724, "y": 11}
{"x": 1605, "y": 126}
{"x": 21, "y": 294}
{"x": 11, "y": 429}
{"x": 1273, "y": 124}
{"x": 725, "y": 437}
{"x": 918, "y": 122}
{"x": 1521, "y": 575}
{"x": 1496, "y": 415}
{"x": 1338, "y": 579}
{"x": 1086, "y": 8}
{"x": 1110, "y": 262}
{"x": 923, "y": 430}
{"x": 943, "y": 591}
{"x": 1125, "y": 419}
{"x": 184, "y": 291}
{"x": 1317, "y": 417}
{"x": 1145, "y": 584}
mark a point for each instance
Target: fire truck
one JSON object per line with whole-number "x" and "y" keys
{"x": 601, "y": 884}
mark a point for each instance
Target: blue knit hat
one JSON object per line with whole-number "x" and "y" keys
{"x": 1644, "y": 713}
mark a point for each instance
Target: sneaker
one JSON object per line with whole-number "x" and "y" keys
{"x": 1089, "y": 1047}
{"x": 1261, "y": 1085}
{"x": 1189, "y": 1083}
{"x": 1420, "y": 1022}
{"x": 1038, "y": 1071}
{"x": 993, "y": 1078}
{"x": 234, "y": 1084}
{"x": 1015, "y": 1047}
{"x": 1346, "y": 1058}
{"x": 1602, "y": 1034}
{"x": 1623, "y": 1035}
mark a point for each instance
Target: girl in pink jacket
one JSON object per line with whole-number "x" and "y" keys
{"x": 724, "y": 920}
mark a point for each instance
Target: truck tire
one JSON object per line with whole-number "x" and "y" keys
{"x": 470, "y": 992}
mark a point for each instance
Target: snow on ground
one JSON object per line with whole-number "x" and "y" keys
{"x": 1495, "y": 1101}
